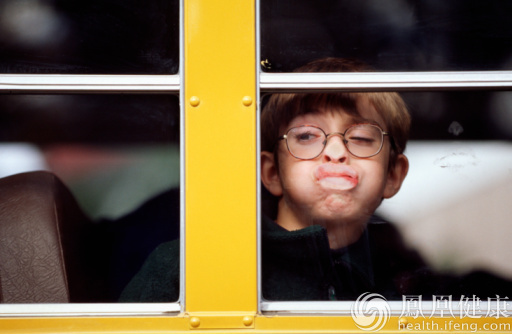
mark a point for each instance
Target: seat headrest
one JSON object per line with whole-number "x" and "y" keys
{"x": 40, "y": 229}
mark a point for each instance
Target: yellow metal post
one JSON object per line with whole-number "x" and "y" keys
{"x": 220, "y": 158}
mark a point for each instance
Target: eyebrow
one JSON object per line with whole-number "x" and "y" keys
{"x": 362, "y": 120}
{"x": 353, "y": 118}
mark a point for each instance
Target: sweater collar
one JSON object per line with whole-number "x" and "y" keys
{"x": 357, "y": 256}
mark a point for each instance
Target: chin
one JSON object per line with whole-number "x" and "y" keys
{"x": 334, "y": 217}
{"x": 335, "y": 205}
{"x": 343, "y": 216}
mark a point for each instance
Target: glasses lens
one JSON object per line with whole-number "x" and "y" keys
{"x": 305, "y": 142}
{"x": 364, "y": 140}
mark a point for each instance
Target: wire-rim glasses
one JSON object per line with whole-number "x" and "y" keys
{"x": 307, "y": 142}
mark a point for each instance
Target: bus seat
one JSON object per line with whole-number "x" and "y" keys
{"x": 43, "y": 242}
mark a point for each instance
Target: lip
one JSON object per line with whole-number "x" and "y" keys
{"x": 333, "y": 176}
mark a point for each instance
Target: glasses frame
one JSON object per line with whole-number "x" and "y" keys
{"x": 327, "y": 136}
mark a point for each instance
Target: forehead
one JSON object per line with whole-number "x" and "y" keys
{"x": 337, "y": 115}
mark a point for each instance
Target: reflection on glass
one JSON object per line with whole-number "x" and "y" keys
{"x": 454, "y": 204}
{"x": 443, "y": 233}
{"x": 96, "y": 37}
{"x": 392, "y": 35}
{"x": 119, "y": 157}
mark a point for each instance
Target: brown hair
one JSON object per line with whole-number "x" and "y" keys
{"x": 281, "y": 109}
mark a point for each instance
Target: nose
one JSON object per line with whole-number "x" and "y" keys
{"x": 335, "y": 149}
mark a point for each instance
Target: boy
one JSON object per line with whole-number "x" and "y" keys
{"x": 328, "y": 160}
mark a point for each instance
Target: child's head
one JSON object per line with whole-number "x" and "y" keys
{"x": 282, "y": 108}
{"x": 337, "y": 187}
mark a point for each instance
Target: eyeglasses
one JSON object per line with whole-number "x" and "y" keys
{"x": 307, "y": 142}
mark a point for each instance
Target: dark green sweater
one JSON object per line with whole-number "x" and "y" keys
{"x": 299, "y": 265}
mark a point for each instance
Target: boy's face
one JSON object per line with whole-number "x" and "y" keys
{"x": 336, "y": 187}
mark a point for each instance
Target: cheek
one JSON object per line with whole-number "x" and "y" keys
{"x": 297, "y": 183}
{"x": 292, "y": 171}
{"x": 372, "y": 191}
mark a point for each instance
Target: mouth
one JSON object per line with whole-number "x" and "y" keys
{"x": 333, "y": 176}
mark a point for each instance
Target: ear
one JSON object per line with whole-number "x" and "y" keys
{"x": 270, "y": 174}
{"x": 396, "y": 176}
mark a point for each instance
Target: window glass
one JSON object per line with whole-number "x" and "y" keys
{"x": 392, "y": 35}
{"x": 453, "y": 205}
{"x": 119, "y": 157}
{"x": 327, "y": 236}
{"x": 89, "y": 37}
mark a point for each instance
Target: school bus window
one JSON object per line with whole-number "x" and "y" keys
{"x": 428, "y": 239}
{"x": 458, "y": 144}
{"x": 116, "y": 187}
{"x": 89, "y": 37}
{"x": 393, "y": 35}
{"x": 326, "y": 140}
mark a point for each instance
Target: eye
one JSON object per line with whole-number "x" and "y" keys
{"x": 363, "y": 141}
{"x": 362, "y": 137}
{"x": 305, "y": 136}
